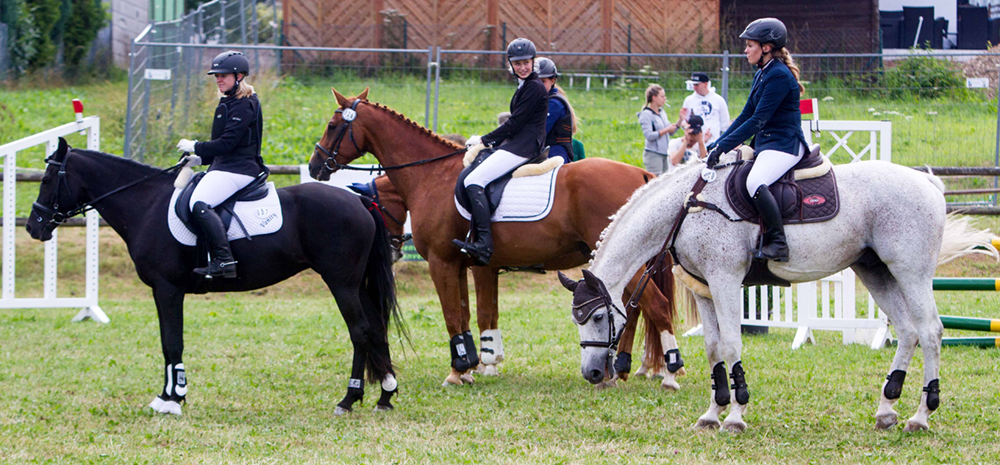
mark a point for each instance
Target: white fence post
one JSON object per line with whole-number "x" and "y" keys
{"x": 49, "y": 298}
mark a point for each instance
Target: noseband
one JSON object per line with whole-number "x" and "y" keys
{"x": 583, "y": 311}
{"x": 349, "y": 115}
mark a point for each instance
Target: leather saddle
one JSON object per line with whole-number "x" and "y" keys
{"x": 494, "y": 191}
{"x": 806, "y": 194}
{"x": 256, "y": 190}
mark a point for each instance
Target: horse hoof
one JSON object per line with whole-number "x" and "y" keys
{"x": 490, "y": 370}
{"x": 383, "y": 408}
{"x": 913, "y": 427}
{"x": 340, "y": 411}
{"x": 734, "y": 426}
{"x": 467, "y": 378}
{"x": 170, "y": 408}
{"x": 480, "y": 369}
{"x": 681, "y": 372}
{"x": 886, "y": 421}
{"x": 641, "y": 371}
{"x": 156, "y": 404}
{"x": 453, "y": 379}
{"x": 705, "y": 425}
{"x": 670, "y": 386}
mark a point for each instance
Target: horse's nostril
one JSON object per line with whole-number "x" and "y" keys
{"x": 596, "y": 375}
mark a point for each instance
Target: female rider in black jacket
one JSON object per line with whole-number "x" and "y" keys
{"x": 772, "y": 117}
{"x": 233, "y": 156}
{"x": 520, "y": 139}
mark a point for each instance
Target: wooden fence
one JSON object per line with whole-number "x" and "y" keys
{"x": 602, "y": 26}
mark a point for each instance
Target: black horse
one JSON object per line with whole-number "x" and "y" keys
{"x": 325, "y": 228}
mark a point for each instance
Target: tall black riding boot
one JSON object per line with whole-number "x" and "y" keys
{"x": 482, "y": 248}
{"x": 774, "y": 245}
{"x": 222, "y": 263}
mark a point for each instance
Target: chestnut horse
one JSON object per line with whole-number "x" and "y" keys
{"x": 394, "y": 210}
{"x": 424, "y": 168}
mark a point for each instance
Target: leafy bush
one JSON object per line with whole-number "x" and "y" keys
{"x": 924, "y": 77}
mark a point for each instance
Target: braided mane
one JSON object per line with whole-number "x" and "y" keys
{"x": 419, "y": 127}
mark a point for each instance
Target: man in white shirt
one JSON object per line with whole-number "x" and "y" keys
{"x": 707, "y": 104}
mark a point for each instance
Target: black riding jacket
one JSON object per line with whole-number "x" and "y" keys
{"x": 523, "y": 134}
{"x": 236, "y": 137}
{"x": 562, "y": 131}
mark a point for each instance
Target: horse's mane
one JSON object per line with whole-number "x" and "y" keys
{"x": 116, "y": 159}
{"x": 682, "y": 171}
{"x": 417, "y": 126}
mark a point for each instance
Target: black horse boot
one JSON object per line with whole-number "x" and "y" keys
{"x": 222, "y": 263}
{"x": 774, "y": 246}
{"x": 482, "y": 248}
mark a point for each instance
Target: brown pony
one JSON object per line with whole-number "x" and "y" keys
{"x": 394, "y": 211}
{"x": 424, "y": 168}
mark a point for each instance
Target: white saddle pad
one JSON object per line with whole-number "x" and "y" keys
{"x": 259, "y": 217}
{"x": 528, "y": 198}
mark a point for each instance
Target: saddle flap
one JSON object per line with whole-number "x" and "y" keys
{"x": 808, "y": 195}
{"x": 494, "y": 191}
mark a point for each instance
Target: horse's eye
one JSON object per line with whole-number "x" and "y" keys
{"x": 599, "y": 317}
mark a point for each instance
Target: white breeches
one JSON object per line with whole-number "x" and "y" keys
{"x": 498, "y": 164}
{"x": 217, "y": 186}
{"x": 769, "y": 166}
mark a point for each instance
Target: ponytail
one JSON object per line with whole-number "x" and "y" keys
{"x": 785, "y": 57}
{"x": 572, "y": 114}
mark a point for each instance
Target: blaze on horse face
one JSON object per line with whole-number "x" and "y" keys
{"x": 55, "y": 197}
{"x": 342, "y": 139}
{"x": 600, "y": 323}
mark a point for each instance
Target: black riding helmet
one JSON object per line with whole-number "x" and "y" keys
{"x": 766, "y": 31}
{"x": 230, "y": 62}
{"x": 520, "y": 49}
{"x": 547, "y": 68}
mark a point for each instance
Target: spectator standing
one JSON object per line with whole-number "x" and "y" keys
{"x": 707, "y": 104}
{"x": 656, "y": 129}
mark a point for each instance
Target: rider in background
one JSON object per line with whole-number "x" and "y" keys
{"x": 772, "y": 117}
{"x": 560, "y": 124}
{"x": 517, "y": 140}
{"x": 233, "y": 156}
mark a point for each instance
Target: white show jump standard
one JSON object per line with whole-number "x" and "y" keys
{"x": 88, "y": 303}
{"x": 806, "y": 306}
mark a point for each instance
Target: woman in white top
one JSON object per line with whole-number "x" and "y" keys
{"x": 656, "y": 129}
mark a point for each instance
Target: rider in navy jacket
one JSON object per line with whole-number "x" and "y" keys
{"x": 233, "y": 156}
{"x": 772, "y": 117}
{"x": 520, "y": 139}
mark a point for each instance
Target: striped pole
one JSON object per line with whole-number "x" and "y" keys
{"x": 972, "y": 341}
{"x": 966, "y": 284}
{"x": 972, "y": 324}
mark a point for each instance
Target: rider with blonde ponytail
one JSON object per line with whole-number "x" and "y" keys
{"x": 771, "y": 116}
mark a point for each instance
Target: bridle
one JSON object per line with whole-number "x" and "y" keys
{"x": 57, "y": 217}
{"x": 349, "y": 115}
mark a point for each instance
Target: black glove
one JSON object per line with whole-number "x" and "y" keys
{"x": 713, "y": 158}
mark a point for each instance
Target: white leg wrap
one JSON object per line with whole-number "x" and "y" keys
{"x": 495, "y": 345}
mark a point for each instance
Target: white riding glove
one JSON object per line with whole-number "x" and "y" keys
{"x": 474, "y": 139}
{"x": 191, "y": 160}
{"x": 186, "y": 145}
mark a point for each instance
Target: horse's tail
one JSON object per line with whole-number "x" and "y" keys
{"x": 379, "y": 297}
{"x": 652, "y": 355}
{"x": 938, "y": 183}
{"x": 961, "y": 238}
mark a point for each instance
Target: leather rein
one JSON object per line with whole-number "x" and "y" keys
{"x": 349, "y": 115}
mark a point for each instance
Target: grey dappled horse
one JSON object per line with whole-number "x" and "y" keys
{"x": 890, "y": 230}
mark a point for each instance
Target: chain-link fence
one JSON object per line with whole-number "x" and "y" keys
{"x": 943, "y": 107}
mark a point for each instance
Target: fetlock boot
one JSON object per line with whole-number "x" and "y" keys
{"x": 222, "y": 263}
{"x": 482, "y": 248}
{"x": 774, "y": 247}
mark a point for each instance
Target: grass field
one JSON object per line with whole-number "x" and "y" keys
{"x": 266, "y": 368}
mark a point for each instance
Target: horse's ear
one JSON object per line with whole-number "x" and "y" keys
{"x": 592, "y": 280}
{"x": 341, "y": 100}
{"x": 568, "y": 283}
{"x": 363, "y": 95}
{"x": 60, "y": 153}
